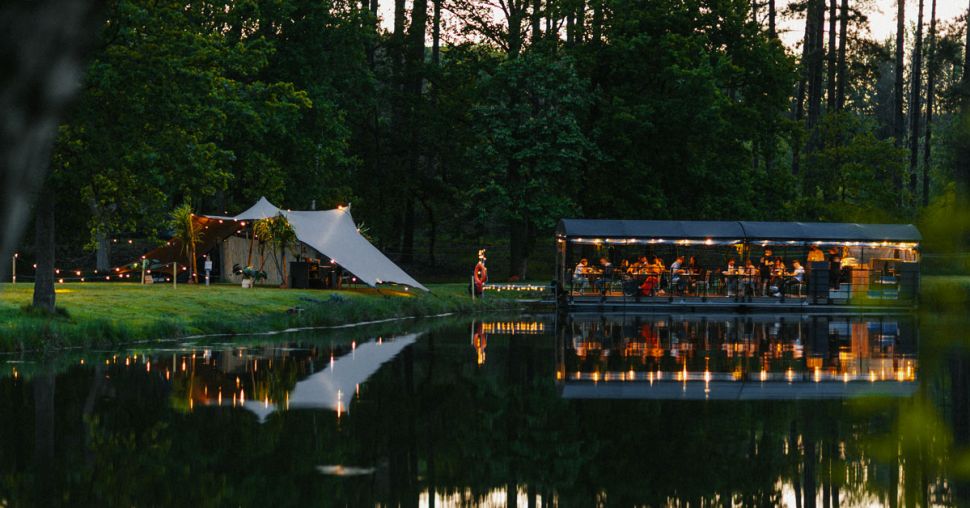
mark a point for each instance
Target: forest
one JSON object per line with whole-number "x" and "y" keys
{"x": 450, "y": 125}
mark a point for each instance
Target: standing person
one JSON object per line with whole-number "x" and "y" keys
{"x": 765, "y": 264}
{"x": 835, "y": 268}
{"x": 480, "y": 274}
{"x": 815, "y": 254}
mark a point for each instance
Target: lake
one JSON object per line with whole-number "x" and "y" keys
{"x": 582, "y": 410}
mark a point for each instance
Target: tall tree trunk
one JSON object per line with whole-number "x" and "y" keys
{"x": 581, "y": 22}
{"x": 44, "y": 253}
{"x": 415, "y": 87}
{"x": 961, "y": 168}
{"x": 432, "y": 231}
{"x": 815, "y": 64}
{"x": 536, "y": 18}
{"x": 44, "y": 45}
{"x": 436, "y": 34}
{"x": 772, "y": 29}
{"x": 899, "y": 125}
{"x": 103, "y": 254}
{"x": 915, "y": 103}
{"x": 396, "y": 48}
{"x": 831, "y": 98}
{"x": 371, "y": 48}
{"x": 407, "y": 238}
{"x": 596, "y": 30}
{"x": 842, "y": 67}
{"x": 570, "y": 28}
{"x": 799, "y": 107}
{"x": 931, "y": 68}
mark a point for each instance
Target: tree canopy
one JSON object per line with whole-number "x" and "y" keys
{"x": 467, "y": 123}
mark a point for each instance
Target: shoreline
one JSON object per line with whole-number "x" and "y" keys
{"x": 114, "y": 314}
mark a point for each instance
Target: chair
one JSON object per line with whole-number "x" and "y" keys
{"x": 800, "y": 286}
{"x": 703, "y": 281}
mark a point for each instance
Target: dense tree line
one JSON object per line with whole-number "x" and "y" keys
{"x": 485, "y": 121}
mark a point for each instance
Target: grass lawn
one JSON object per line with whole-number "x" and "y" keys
{"x": 112, "y": 313}
{"x": 950, "y": 293}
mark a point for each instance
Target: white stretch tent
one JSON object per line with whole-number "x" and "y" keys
{"x": 334, "y": 234}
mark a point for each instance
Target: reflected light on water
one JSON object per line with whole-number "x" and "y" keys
{"x": 495, "y": 498}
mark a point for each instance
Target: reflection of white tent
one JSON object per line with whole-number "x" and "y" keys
{"x": 261, "y": 409}
{"x": 334, "y": 234}
{"x": 334, "y": 386}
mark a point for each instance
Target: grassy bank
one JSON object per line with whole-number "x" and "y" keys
{"x": 111, "y": 314}
{"x": 945, "y": 293}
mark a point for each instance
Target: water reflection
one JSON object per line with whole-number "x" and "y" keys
{"x": 481, "y": 414}
{"x": 737, "y": 356}
{"x": 270, "y": 378}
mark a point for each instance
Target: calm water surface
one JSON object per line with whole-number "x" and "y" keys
{"x": 658, "y": 410}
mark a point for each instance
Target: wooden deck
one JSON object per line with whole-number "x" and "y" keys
{"x": 597, "y": 303}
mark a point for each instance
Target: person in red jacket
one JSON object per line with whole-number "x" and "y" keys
{"x": 480, "y": 275}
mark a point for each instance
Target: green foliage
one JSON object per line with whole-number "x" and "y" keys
{"x": 845, "y": 179}
{"x": 530, "y": 146}
{"x": 660, "y": 109}
{"x": 184, "y": 229}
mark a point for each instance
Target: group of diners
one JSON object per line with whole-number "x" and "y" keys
{"x": 644, "y": 276}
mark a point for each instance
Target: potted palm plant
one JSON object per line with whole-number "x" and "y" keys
{"x": 250, "y": 275}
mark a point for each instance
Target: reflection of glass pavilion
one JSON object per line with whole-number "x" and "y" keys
{"x": 736, "y": 356}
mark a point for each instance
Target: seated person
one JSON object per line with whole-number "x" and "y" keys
{"x": 692, "y": 267}
{"x": 729, "y": 275}
{"x": 796, "y": 276}
{"x": 750, "y": 275}
{"x": 677, "y": 273}
{"x": 639, "y": 266}
{"x": 580, "y": 279}
{"x": 607, "y": 272}
{"x": 777, "y": 279}
{"x": 649, "y": 285}
{"x": 652, "y": 283}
